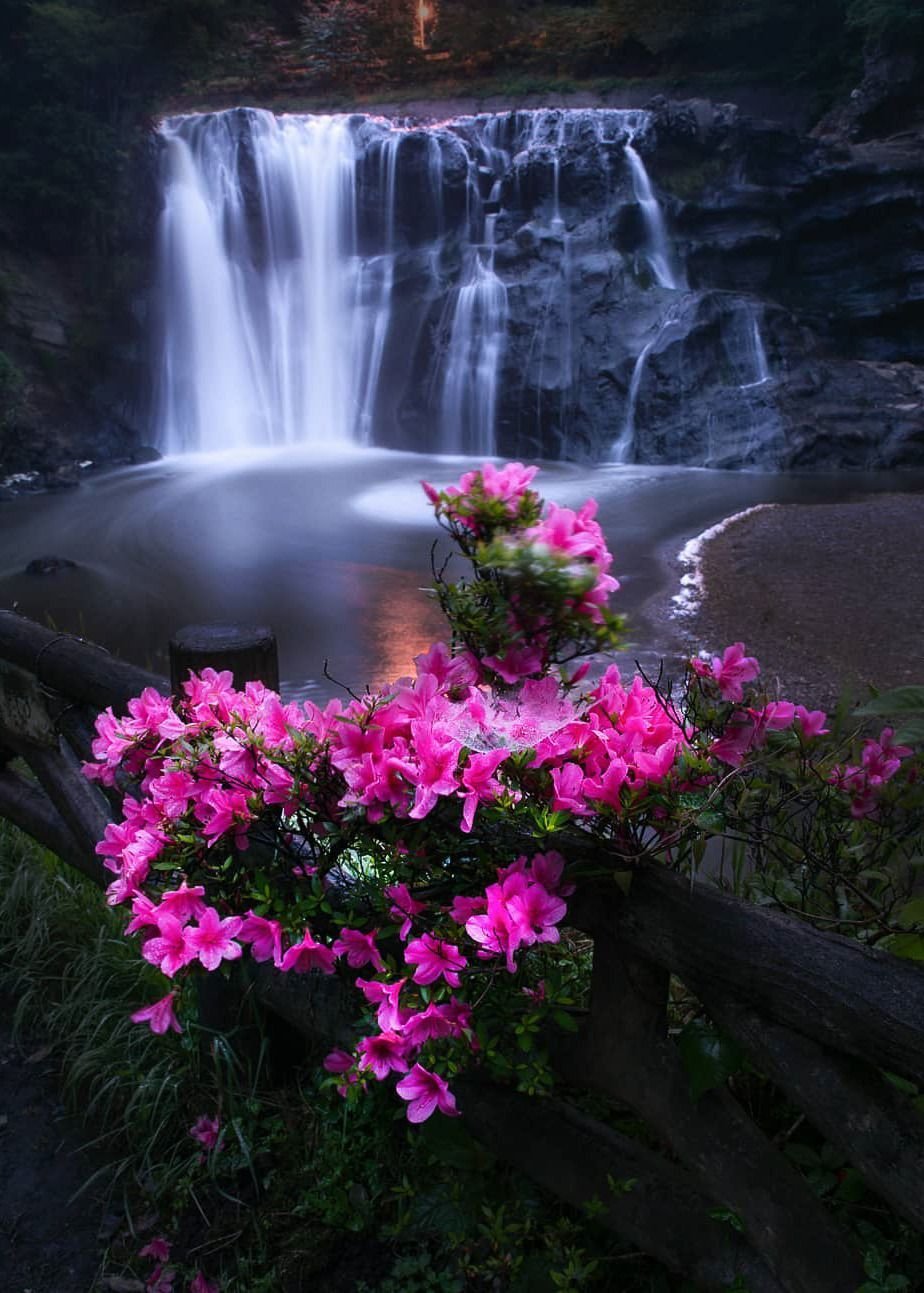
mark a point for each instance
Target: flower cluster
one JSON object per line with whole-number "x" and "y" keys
{"x": 541, "y": 582}
{"x": 423, "y": 839}
{"x": 863, "y": 782}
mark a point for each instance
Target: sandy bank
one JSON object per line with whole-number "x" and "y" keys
{"x": 828, "y": 596}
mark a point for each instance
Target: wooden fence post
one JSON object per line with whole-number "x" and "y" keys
{"x": 248, "y": 651}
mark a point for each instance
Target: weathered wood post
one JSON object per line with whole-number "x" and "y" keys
{"x": 251, "y": 655}
{"x": 249, "y": 651}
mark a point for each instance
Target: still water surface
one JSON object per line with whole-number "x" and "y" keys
{"x": 332, "y": 551}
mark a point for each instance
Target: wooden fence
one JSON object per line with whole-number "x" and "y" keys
{"x": 809, "y": 1008}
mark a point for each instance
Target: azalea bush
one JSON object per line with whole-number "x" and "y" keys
{"x": 424, "y": 839}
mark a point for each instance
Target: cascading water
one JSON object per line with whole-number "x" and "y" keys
{"x": 256, "y": 343}
{"x": 464, "y": 288}
{"x": 658, "y": 251}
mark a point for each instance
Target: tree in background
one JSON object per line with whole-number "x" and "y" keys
{"x": 347, "y": 42}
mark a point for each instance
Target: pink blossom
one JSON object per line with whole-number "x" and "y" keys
{"x": 516, "y": 663}
{"x": 170, "y": 949}
{"x": 359, "y": 949}
{"x": 390, "y": 1015}
{"x": 426, "y": 1092}
{"x": 264, "y": 937}
{"x": 221, "y": 811}
{"x": 174, "y": 791}
{"x": 735, "y": 742}
{"x": 480, "y": 784}
{"x": 308, "y": 955}
{"x": 433, "y": 1022}
{"x": 434, "y": 959}
{"x": 437, "y": 756}
{"x": 812, "y": 722}
{"x": 206, "y": 1130}
{"x": 733, "y": 670}
{"x": 158, "y": 1248}
{"x": 568, "y": 783}
{"x": 404, "y": 907}
{"x": 213, "y": 939}
{"x": 199, "y": 1284}
{"x": 338, "y": 1061}
{"x": 160, "y": 1016}
{"x": 161, "y": 1280}
{"x": 144, "y": 914}
{"x": 184, "y": 903}
{"x": 383, "y": 1053}
{"x": 463, "y": 908}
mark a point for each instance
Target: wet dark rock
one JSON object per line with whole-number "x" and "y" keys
{"x": 49, "y": 566}
{"x": 145, "y": 453}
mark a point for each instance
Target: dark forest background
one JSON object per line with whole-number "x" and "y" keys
{"x": 79, "y": 78}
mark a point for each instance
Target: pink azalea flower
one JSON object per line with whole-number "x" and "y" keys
{"x": 206, "y": 1130}
{"x": 404, "y": 907}
{"x": 481, "y": 786}
{"x": 426, "y": 1092}
{"x": 213, "y": 939}
{"x": 383, "y": 1053}
{"x": 199, "y": 1284}
{"x": 435, "y": 1021}
{"x": 158, "y": 1248}
{"x": 264, "y": 937}
{"x": 464, "y": 908}
{"x": 308, "y": 955}
{"x": 390, "y": 1013}
{"x": 812, "y": 722}
{"x": 359, "y": 949}
{"x": 733, "y": 670}
{"x": 144, "y": 914}
{"x": 434, "y": 959}
{"x": 161, "y": 1280}
{"x": 160, "y": 1016}
{"x": 338, "y": 1061}
{"x": 170, "y": 949}
{"x": 568, "y": 796}
{"x": 184, "y": 903}
{"x": 516, "y": 663}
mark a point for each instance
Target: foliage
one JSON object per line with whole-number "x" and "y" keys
{"x": 345, "y": 41}
{"x": 292, "y": 1184}
{"x": 430, "y": 834}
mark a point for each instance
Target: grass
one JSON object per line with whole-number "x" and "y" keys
{"x": 305, "y": 1191}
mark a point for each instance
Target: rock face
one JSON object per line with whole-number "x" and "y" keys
{"x": 681, "y": 284}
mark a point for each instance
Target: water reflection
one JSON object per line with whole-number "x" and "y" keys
{"x": 331, "y": 552}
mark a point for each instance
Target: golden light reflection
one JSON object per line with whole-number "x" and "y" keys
{"x": 394, "y": 618}
{"x": 425, "y": 14}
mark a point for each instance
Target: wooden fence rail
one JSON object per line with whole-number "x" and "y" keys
{"x": 810, "y": 1009}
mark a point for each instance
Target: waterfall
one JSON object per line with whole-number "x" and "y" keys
{"x": 351, "y": 280}
{"x": 668, "y": 329}
{"x": 372, "y": 305}
{"x": 756, "y": 369}
{"x": 658, "y": 250}
{"x": 479, "y": 325}
{"x": 256, "y": 348}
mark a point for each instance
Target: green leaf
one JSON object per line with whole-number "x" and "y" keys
{"x": 712, "y": 822}
{"x": 910, "y": 732}
{"x": 565, "y": 1021}
{"x": 912, "y": 913}
{"x": 910, "y": 947}
{"x": 802, "y": 1155}
{"x": 709, "y": 1058}
{"x": 450, "y": 1143}
{"x": 900, "y": 700}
